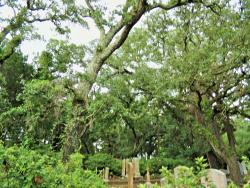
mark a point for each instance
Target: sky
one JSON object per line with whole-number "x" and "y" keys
{"x": 78, "y": 34}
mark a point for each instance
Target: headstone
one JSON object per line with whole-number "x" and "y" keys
{"x": 126, "y": 167}
{"x": 181, "y": 171}
{"x": 148, "y": 176}
{"x": 242, "y": 166}
{"x": 214, "y": 178}
{"x": 130, "y": 175}
{"x": 103, "y": 173}
{"x": 243, "y": 169}
{"x": 148, "y": 182}
{"x": 148, "y": 185}
{"x": 163, "y": 182}
{"x": 106, "y": 174}
{"x": 136, "y": 165}
{"x": 225, "y": 171}
{"x": 123, "y": 168}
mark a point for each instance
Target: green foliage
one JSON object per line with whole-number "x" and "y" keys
{"x": 101, "y": 160}
{"x": 145, "y": 186}
{"x": 42, "y": 102}
{"x": 185, "y": 75}
{"x": 15, "y": 77}
{"x": 242, "y": 137}
{"x": 185, "y": 178}
{"x": 59, "y": 57}
{"x": 28, "y": 168}
{"x": 246, "y": 160}
{"x": 4, "y": 101}
{"x": 42, "y": 110}
{"x": 156, "y": 163}
{"x": 201, "y": 163}
{"x": 232, "y": 185}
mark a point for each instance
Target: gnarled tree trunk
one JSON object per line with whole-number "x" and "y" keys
{"x": 213, "y": 160}
{"x": 225, "y": 151}
{"x": 109, "y": 42}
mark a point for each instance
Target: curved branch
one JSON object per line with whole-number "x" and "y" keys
{"x": 98, "y": 21}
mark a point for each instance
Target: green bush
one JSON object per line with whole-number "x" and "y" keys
{"x": 26, "y": 168}
{"x": 186, "y": 178}
{"x": 101, "y": 160}
{"x": 156, "y": 163}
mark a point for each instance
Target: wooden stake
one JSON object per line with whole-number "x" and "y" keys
{"x": 130, "y": 175}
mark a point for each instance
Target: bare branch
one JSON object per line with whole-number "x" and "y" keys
{"x": 171, "y": 5}
{"x": 38, "y": 20}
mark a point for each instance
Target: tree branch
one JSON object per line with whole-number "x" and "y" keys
{"x": 98, "y": 20}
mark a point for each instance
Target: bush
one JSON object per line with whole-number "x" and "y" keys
{"x": 186, "y": 178}
{"x": 101, "y": 160}
{"x": 156, "y": 163}
{"x": 26, "y": 168}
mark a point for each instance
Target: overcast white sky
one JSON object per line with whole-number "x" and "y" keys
{"x": 78, "y": 34}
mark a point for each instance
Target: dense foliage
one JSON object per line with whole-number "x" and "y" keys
{"x": 170, "y": 89}
{"x": 29, "y": 168}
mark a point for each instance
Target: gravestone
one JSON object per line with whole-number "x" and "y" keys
{"x": 181, "y": 171}
{"x": 136, "y": 165}
{"x": 126, "y": 167}
{"x": 163, "y": 182}
{"x": 214, "y": 178}
{"x": 148, "y": 182}
{"x": 123, "y": 168}
{"x": 243, "y": 169}
{"x": 130, "y": 175}
{"x": 106, "y": 174}
{"x": 225, "y": 171}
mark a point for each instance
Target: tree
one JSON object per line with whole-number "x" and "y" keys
{"x": 204, "y": 72}
{"x": 39, "y": 109}
{"x": 17, "y": 25}
{"x": 128, "y": 121}
{"x": 206, "y": 66}
{"x": 15, "y": 77}
{"x": 112, "y": 36}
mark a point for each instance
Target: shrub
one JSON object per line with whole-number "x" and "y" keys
{"x": 101, "y": 160}
{"x": 26, "y": 168}
{"x": 156, "y": 163}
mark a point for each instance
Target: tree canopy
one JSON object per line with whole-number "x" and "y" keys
{"x": 166, "y": 79}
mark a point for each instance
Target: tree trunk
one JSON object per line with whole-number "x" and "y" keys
{"x": 231, "y": 160}
{"x": 226, "y": 152}
{"x": 234, "y": 170}
{"x": 75, "y": 129}
{"x": 213, "y": 160}
{"x": 57, "y": 137}
{"x": 109, "y": 42}
{"x": 230, "y": 133}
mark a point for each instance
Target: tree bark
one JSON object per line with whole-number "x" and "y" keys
{"x": 230, "y": 158}
{"x": 75, "y": 129}
{"x": 226, "y": 152}
{"x": 213, "y": 160}
{"x": 234, "y": 170}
